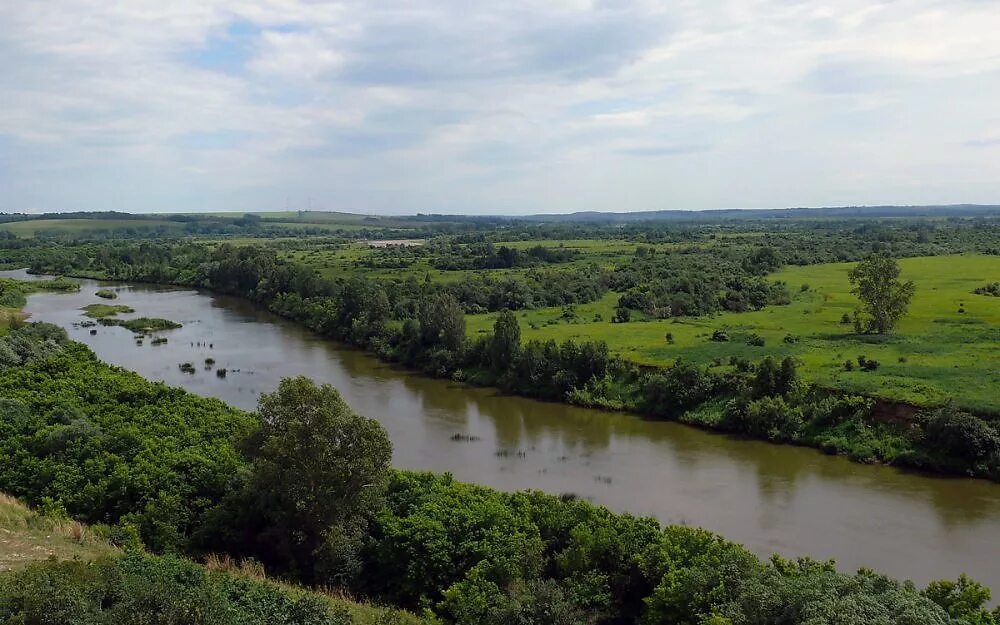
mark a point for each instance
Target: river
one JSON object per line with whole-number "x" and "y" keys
{"x": 771, "y": 498}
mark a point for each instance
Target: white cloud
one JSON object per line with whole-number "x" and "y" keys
{"x": 490, "y": 107}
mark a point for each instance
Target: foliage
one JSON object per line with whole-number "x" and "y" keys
{"x": 317, "y": 469}
{"x": 165, "y": 463}
{"x": 136, "y": 589}
{"x": 992, "y": 288}
{"x": 769, "y": 417}
{"x": 506, "y": 340}
{"x": 960, "y": 435}
{"x": 885, "y": 298}
{"x": 108, "y": 445}
{"x": 963, "y": 599}
{"x": 13, "y": 292}
{"x": 101, "y": 311}
{"x": 672, "y": 392}
{"x": 139, "y": 325}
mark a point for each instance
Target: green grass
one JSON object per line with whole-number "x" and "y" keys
{"x": 33, "y": 227}
{"x": 142, "y": 325}
{"x": 26, "y": 536}
{"x": 336, "y": 261}
{"x": 13, "y": 294}
{"x": 947, "y": 354}
{"x": 102, "y": 311}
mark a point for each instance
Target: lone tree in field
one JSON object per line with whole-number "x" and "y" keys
{"x": 885, "y": 298}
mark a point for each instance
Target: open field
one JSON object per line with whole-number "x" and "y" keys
{"x": 935, "y": 350}
{"x": 81, "y": 226}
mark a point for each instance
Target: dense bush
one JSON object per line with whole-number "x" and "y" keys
{"x": 136, "y": 589}
{"x": 439, "y": 543}
{"x": 109, "y": 445}
{"x": 670, "y": 393}
{"x": 769, "y": 417}
{"x": 961, "y": 435}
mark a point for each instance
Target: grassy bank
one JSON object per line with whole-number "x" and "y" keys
{"x": 937, "y": 352}
{"x": 26, "y": 537}
{"x": 52, "y": 557}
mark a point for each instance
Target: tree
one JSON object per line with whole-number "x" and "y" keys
{"x": 963, "y": 599}
{"x": 884, "y": 297}
{"x": 318, "y": 469}
{"x": 442, "y": 321}
{"x": 506, "y": 340}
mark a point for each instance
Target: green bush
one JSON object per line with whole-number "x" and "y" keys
{"x": 962, "y": 435}
{"x": 137, "y": 589}
{"x": 769, "y": 417}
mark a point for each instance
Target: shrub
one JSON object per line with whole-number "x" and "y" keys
{"x": 720, "y": 336}
{"x": 678, "y": 389}
{"x": 961, "y": 434}
{"x": 137, "y": 589}
{"x": 768, "y": 417}
{"x": 867, "y": 364}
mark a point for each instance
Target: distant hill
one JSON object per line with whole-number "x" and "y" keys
{"x": 112, "y": 220}
{"x": 835, "y": 212}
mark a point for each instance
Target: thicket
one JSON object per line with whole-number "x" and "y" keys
{"x": 138, "y": 589}
{"x": 992, "y": 288}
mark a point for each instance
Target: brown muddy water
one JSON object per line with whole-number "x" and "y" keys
{"x": 771, "y": 498}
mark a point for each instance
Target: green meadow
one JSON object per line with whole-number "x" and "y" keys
{"x": 33, "y": 227}
{"x": 935, "y": 354}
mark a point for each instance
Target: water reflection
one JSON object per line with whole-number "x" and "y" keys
{"x": 769, "y": 497}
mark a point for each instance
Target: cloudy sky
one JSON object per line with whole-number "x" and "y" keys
{"x": 390, "y": 106}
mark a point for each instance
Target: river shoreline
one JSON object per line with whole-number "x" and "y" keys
{"x": 885, "y": 410}
{"x": 772, "y": 498}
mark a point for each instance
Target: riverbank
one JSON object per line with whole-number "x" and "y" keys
{"x": 800, "y": 414}
{"x": 772, "y": 498}
{"x": 487, "y": 543}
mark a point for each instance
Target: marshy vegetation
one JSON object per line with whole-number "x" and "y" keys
{"x": 141, "y": 325}
{"x": 103, "y": 311}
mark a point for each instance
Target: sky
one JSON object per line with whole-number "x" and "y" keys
{"x": 485, "y": 107}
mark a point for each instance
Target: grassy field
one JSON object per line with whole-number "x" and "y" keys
{"x": 26, "y": 536}
{"x": 79, "y": 226}
{"x": 337, "y": 260}
{"x": 935, "y": 354}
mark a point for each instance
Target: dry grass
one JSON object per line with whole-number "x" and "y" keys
{"x": 227, "y": 564}
{"x": 363, "y": 612}
{"x": 26, "y": 536}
